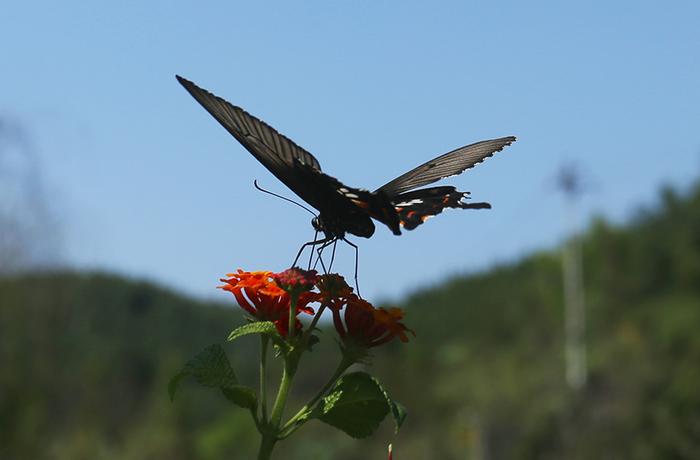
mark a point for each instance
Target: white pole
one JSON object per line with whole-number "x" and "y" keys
{"x": 574, "y": 305}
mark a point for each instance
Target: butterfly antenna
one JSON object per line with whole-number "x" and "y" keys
{"x": 255, "y": 183}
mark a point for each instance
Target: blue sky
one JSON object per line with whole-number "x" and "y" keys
{"x": 146, "y": 183}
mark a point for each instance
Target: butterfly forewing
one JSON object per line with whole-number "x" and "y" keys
{"x": 446, "y": 165}
{"x": 275, "y": 151}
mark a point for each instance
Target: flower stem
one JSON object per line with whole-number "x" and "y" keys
{"x": 310, "y": 330}
{"x": 292, "y": 315}
{"x": 263, "y": 379}
{"x": 342, "y": 367}
{"x": 289, "y": 427}
{"x": 283, "y": 392}
{"x": 270, "y": 434}
{"x": 266, "y": 446}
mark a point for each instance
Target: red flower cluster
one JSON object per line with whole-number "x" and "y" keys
{"x": 267, "y": 297}
{"x": 259, "y": 294}
{"x": 362, "y": 323}
{"x": 295, "y": 280}
{"x": 367, "y": 326}
{"x": 334, "y": 292}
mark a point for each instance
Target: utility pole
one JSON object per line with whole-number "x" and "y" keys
{"x": 570, "y": 184}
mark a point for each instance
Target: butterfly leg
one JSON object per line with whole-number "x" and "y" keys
{"x": 312, "y": 244}
{"x": 330, "y": 266}
{"x": 357, "y": 262}
{"x": 323, "y": 266}
{"x": 311, "y": 254}
{"x": 320, "y": 252}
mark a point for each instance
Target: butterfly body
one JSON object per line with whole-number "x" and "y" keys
{"x": 340, "y": 207}
{"x": 344, "y": 209}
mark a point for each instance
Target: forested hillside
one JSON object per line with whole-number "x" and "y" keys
{"x": 85, "y": 359}
{"x": 492, "y": 345}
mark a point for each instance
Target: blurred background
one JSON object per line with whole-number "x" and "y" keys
{"x": 560, "y": 324}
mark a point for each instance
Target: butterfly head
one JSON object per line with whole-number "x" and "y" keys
{"x": 327, "y": 227}
{"x": 317, "y": 224}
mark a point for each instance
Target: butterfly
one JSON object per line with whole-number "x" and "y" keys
{"x": 343, "y": 209}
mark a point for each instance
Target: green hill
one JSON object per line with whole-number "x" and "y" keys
{"x": 85, "y": 359}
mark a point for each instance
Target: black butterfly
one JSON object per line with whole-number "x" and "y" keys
{"x": 343, "y": 209}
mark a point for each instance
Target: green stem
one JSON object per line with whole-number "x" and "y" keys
{"x": 266, "y": 446}
{"x": 282, "y": 393}
{"x": 263, "y": 379}
{"x": 258, "y": 424}
{"x": 270, "y": 433}
{"x": 292, "y": 316}
{"x": 310, "y": 330}
{"x": 342, "y": 367}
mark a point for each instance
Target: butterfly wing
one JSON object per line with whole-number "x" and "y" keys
{"x": 279, "y": 154}
{"x": 449, "y": 164}
{"x": 417, "y": 206}
{"x": 301, "y": 172}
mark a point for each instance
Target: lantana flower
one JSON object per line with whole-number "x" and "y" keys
{"x": 334, "y": 292}
{"x": 267, "y": 296}
{"x": 364, "y": 326}
{"x": 295, "y": 280}
{"x": 259, "y": 295}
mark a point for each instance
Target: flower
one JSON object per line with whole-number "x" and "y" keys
{"x": 334, "y": 291}
{"x": 295, "y": 280}
{"x": 259, "y": 295}
{"x": 366, "y": 326}
{"x": 267, "y": 296}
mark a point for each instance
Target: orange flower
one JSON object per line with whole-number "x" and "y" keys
{"x": 368, "y": 326}
{"x": 262, "y": 298}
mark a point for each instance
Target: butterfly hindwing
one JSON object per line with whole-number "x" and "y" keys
{"x": 448, "y": 164}
{"x": 417, "y": 206}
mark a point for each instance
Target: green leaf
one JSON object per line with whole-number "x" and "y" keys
{"x": 173, "y": 384}
{"x": 356, "y": 405}
{"x": 398, "y": 412}
{"x": 212, "y": 368}
{"x": 258, "y": 327}
{"x": 241, "y": 396}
